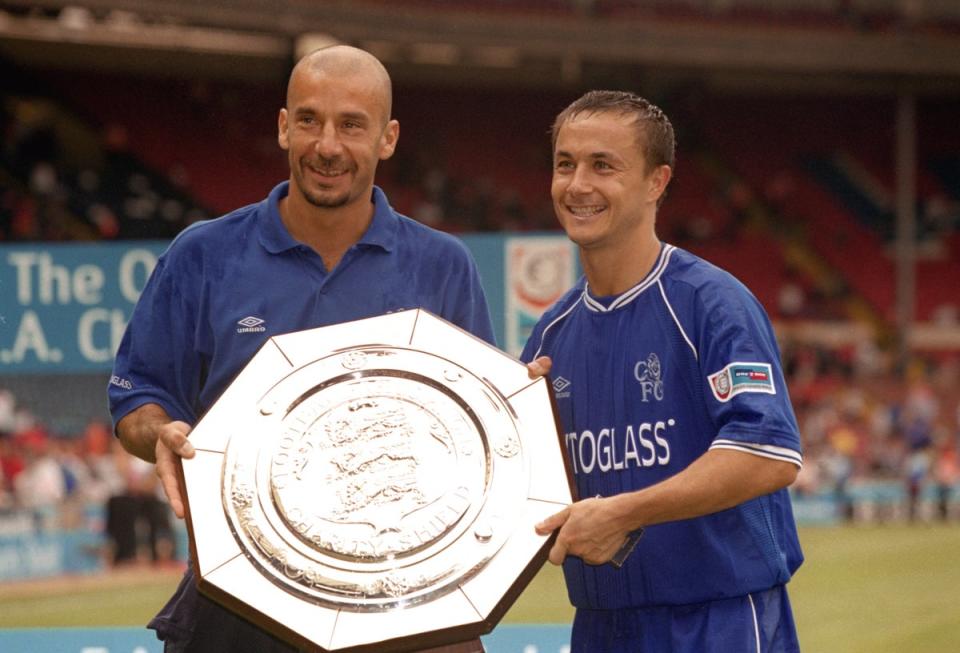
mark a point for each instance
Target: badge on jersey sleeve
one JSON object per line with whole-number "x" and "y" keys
{"x": 741, "y": 377}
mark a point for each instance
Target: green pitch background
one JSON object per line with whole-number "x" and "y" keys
{"x": 884, "y": 589}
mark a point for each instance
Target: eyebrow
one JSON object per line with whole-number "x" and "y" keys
{"x": 355, "y": 115}
{"x": 593, "y": 155}
{"x": 349, "y": 115}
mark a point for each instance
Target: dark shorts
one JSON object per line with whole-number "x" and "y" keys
{"x": 192, "y": 623}
{"x": 761, "y": 622}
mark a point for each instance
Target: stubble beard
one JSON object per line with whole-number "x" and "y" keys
{"x": 325, "y": 202}
{"x": 318, "y": 198}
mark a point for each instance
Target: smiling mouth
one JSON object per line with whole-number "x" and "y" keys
{"x": 586, "y": 211}
{"x": 324, "y": 172}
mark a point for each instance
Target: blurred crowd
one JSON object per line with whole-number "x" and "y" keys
{"x": 62, "y": 181}
{"x": 880, "y": 438}
{"x": 56, "y": 477}
{"x": 880, "y": 441}
{"x": 457, "y": 203}
{"x": 47, "y": 193}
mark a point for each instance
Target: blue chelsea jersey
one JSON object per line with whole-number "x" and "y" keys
{"x": 645, "y": 383}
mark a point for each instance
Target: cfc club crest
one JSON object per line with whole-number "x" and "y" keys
{"x": 648, "y": 374}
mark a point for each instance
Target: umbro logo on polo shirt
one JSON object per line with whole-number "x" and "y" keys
{"x": 560, "y": 385}
{"x": 251, "y": 324}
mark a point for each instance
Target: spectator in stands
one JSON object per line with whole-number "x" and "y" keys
{"x": 33, "y": 140}
{"x": 920, "y": 410}
{"x": 6, "y": 500}
{"x": 946, "y": 475}
{"x": 916, "y": 468}
{"x": 511, "y": 216}
{"x": 103, "y": 456}
{"x": 138, "y": 512}
{"x": 430, "y": 210}
{"x": 41, "y": 486}
{"x": 791, "y": 298}
{"x": 11, "y": 464}
{"x": 325, "y": 247}
{"x": 8, "y": 412}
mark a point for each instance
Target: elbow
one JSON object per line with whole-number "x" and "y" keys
{"x": 122, "y": 431}
{"x": 776, "y": 476}
{"x": 786, "y": 475}
{"x": 126, "y": 443}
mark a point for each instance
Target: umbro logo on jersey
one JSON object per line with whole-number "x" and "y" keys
{"x": 648, "y": 374}
{"x": 560, "y": 384}
{"x": 251, "y": 324}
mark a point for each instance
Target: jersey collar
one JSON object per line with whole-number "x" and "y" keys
{"x": 607, "y": 304}
{"x": 275, "y": 238}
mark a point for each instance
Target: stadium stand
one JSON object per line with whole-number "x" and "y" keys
{"x": 818, "y": 144}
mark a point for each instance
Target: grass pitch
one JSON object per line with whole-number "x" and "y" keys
{"x": 882, "y": 589}
{"x": 879, "y": 589}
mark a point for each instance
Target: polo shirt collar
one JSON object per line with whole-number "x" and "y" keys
{"x": 275, "y": 238}
{"x": 382, "y": 231}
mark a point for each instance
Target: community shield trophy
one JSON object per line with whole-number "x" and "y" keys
{"x": 374, "y": 485}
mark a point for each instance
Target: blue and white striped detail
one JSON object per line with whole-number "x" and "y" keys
{"x": 756, "y": 624}
{"x": 763, "y": 450}
{"x": 543, "y": 336}
{"x": 634, "y": 292}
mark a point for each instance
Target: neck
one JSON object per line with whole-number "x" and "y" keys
{"x": 330, "y": 232}
{"x": 614, "y": 271}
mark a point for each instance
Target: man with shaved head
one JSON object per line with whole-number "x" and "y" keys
{"x": 324, "y": 247}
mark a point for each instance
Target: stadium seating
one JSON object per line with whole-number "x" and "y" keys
{"x": 478, "y": 160}
{"x": 838, "y": 156}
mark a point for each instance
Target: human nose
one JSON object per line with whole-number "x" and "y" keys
{"x": 580, "y": 181}
{"x": 328, "y": 143}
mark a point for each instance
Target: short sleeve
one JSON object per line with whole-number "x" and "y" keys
{"x": 157, "y": 361}
{"x": 464, "y": 300}
{"x": 744, "y": 386}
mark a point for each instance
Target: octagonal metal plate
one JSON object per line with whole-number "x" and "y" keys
{"x": 374, "y": 485}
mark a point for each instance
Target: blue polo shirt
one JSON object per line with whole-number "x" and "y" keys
{"x": 225, "y": 286}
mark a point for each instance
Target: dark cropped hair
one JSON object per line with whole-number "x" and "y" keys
{"x": 655, "y": 133}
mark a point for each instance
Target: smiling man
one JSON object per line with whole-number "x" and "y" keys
{"x": 324, "y": 247}
{"x": 676, "y": 418}
{"x": 335, "y": 128}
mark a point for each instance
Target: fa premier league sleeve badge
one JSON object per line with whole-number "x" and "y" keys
{"x": 741, "y": 377}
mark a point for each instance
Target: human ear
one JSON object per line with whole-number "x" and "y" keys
{"x": 388, "y": 140}
{"x": 282, "y": 137}
{"x": 659, "y": 179}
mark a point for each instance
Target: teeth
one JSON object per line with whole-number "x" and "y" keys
{"x": 585, "y": 211}
{"x": 328, "y": 173}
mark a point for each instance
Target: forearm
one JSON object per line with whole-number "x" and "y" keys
{"x": 149, "y": 433}
{"x": 718, "y": 480}
{"x": 139, "y": 430}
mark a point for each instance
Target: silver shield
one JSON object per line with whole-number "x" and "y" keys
{"x": 375, "y": 483}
